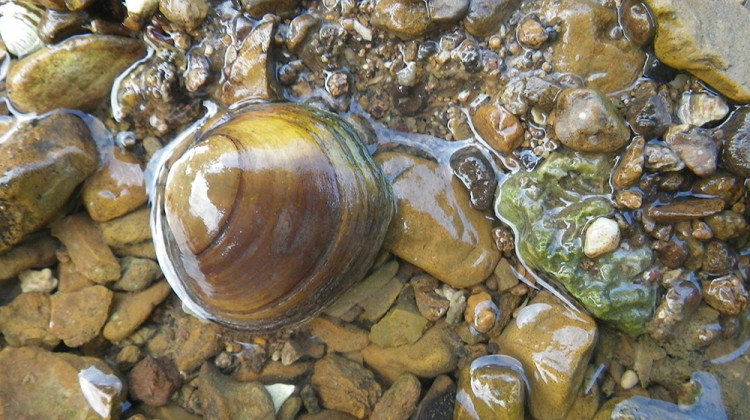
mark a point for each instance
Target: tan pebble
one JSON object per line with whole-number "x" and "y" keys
{"x": 481, "y": 312}
{"x": 629, "y": 379}
{"x": 602, "y": 236}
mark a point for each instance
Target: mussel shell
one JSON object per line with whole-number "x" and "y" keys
{"x": 263, "y": 219}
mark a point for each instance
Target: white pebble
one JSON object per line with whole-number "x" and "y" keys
{"x": 37, "y": 281}
{"x": 629, "y": 379}
{"x": 602, "y": 236}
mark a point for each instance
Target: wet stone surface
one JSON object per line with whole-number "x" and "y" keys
{"x": 570, "y": 233}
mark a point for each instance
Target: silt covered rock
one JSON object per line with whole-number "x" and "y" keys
{"x": 550, "y": 209}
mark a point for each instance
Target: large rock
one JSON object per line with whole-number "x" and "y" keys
{"x": 224, "y": 398}
{"x": 345, "y": 385}
{"x": 707, "y": 39}
{"x": 42, "y": 163}
{"x": 435, "y": 227}
{"x": 553, "y": 344}
{"x": 77, "y": 73}
{"x": 37, "y": 384}
{"x": 586, "y": 47}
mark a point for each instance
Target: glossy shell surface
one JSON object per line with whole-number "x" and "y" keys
{"x": 262, "y": 218}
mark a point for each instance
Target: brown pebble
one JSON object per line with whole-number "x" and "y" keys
{"x": 726, "y": 294}
{"x": 685, "y": 210}
{"x": 532, "y": 34}
{"x": 130, "y": 310}
{"x": 338, "y": 336}
{"x": 36, "y": 252}
{"x": 345, "y": 385}
{"x": 498, "y": 127}
{"x": 153, "y": 381}
{"x": 399, "y": 401}
{"x": 86, "y": 248}
{"x": 77, "y": 317}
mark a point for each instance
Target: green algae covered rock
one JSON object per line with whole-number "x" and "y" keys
{"x": 549, "y": 208}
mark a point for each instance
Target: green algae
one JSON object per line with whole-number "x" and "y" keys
{"x": 549, "y": 208}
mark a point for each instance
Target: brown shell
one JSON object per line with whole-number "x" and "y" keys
{"x": 263, "y": 220}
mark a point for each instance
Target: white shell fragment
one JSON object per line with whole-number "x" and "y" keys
{"x": 698, "y": 109}
{"x": 18, "y": 28}
{"x": 602, "y": 236}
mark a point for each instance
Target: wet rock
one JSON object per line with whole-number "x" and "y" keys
{"x": 127, "y": 234}
{"x": 435, "y": 353}
{"x": 42, "y": 163}
{"x": 695, "y": 147}
{"x": 25, "y": 321}
{"x": 680, "y": 301}
{"x": 41, "y": 384}
{"x": 195, "y": 342}
{"x": 586, "y": 26}
{"x": 719, "y": 258}
{"x": 672, "y": 253}
{"x": 637, "y": 22}
{"x": 660, "y": 158}
{"x": 736, "y": 152}
{"x": 498, "y": 127}
{"x": 70, "y": 279}
{"x": 377, "y": 304}
{"x": 258, "y": 8}
{"x": 650, "y": 112}
{"x": 629, "y": 199}
{"x": 721, "y": 185}
{"x": 116, "y": 188}
{"x": 127, "y": 357}
{"x": 447, "y": 11}
{"x": 531, "y": 33}
{"x": 698, "y": 109}
{"x": 56, "y": 26}
{"x": 399, "y": 401}
{"x": 187, "y": 14}
{"x": 364, "y": 290}
{"x": 437, "y": 230}
{"x": 290, "y": 408}
{"x": 602, "y": 236}
{"x": 345, "y": 386}
{"x": 77, "y": 317}
{"x": 689, "y": 209}
{"x": 137, "y": 274}
{"x": 726, "y": 294}
{"x": 476, "y": 173}
{"x": 492, "y": 387}
{"x": 36, "y": 252}
{"x": 85, "y": 245}
{"x": 153, "y": 381}
{"x": 130, "y": 310}
{"x": 485, "y": 16}
{"x": 541, "y": 93}
{"x": 550, "y": 209}
{"x": 720, "y": 59}
{"x": 403, "y": 18}
{"x": 77, "y": 73}
{"x": 430, "y": 304}
{"x": 224, "y": 398}
{"x": 630, "y": 168}
{"x": 481, "y": 312}
{"x": 37, "y": 281}
{"x": 251, "y": 74}
{"x": 585, "y": 120}
{"x": 439, "y": 400}
{"x": 403, "y": 324}
{"x": 707, "y": 403}
{"x": 338, "y": 336}
{"x": 553, "y": 344}
{"x": 327, "y": 415}
{"x": 727, "y": 225}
